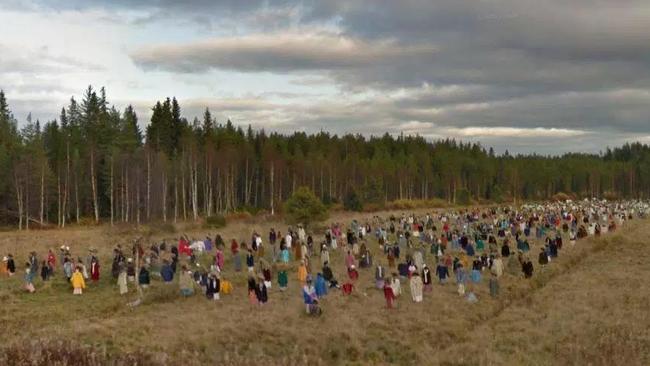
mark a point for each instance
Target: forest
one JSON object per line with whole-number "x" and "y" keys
{"x": 94, "y": 164}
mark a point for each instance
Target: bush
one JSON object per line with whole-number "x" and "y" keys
{"x": 215, "y": 221}
{"x": 402, "y": 205}
{"x": 329, "y": 200}
{"x": 495, "y": 194}
{"x": 303, "y": 207}
{"x": 239, "y": 216}
{"x": 250, "y": 209}
{"x": 413, "y": 204}
{"x": 335, "y": 207}
{"x": 163, "y": 227}
{"x": 561, "y": 197}
{"x": 463, "y": 197}
{"x": 373, "y": 207}
{"x": 373, "y": 192}
{"x": 611, "y": 196}
{"x": 352, "y": 202}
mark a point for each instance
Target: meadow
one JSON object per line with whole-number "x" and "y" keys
{"x": 588, "y": 307}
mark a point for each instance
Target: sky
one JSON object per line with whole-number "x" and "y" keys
{"x": 528, "y": 76}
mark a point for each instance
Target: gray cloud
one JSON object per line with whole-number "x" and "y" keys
{"x": 546, "y": 76}
{"x": 197, "y": 13}
{"x": 551, "y": 46}
{"x": 582, "y": 65}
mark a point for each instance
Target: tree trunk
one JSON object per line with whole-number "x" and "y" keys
{"x": 183, "y": 187}
{"x": 454, "y": 191}
{"x": 280, "y": 190}
{"x": 164, "y": 195}
{"x": 111, "y": 196}
{"x": 76, "y": 196}
{"x": 219, "y": 192}
{"x": 226, "y": 189}
{"x": 19, "y": 201}
{"x": 137, "y": 201}
{"x": 148, "y": 185}
{"x": 66, "y": 188}
{"x": 322, "y": 186}
{"x": 256, "y": 178}
{"x": 26, "y": 209}
{"x": 233, "y": 190}
{"x": 122, "y": 196}
{"x": 175, "y": 197}
{"x": 208, "y": 191}
{"x": 58, "y": 199}
{"x": 331, "y": 179}
{"x": 42, "y": 194}
{"x": 194, "y": 182}
{"x": 246, "y": 190}
{"x": 205, "y": 189}
{"x": 272, "y": 189}
{"x": 93, "y": 182}
{"x": 126, "y": 193}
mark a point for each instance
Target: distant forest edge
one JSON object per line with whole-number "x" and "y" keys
{"x": 94, "y": 164}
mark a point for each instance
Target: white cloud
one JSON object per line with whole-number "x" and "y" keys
{"x": 514, "y": 132}
{"x": 415, "y": 125}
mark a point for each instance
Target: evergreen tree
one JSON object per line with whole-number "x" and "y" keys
{"x": 303, "y": 207}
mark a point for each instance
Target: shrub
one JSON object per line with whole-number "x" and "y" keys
{"x": 413, "y": 204}
{"x": 402, "y": 205}
{"x": 352, "y": 202}
{"x": 252, "y": 210}
{"x": 239, "y": 216}
{"x": 495, "y": 193}
{"x": 303, "y": 207}
{"x": 329, "y": 200}
{"x": 611, "y": 196}
{"x": 463, "y": 197}
{"x": 561, "y": 197}
{"x": 373, "y": 207}
{"x": 163, "y": 227}
{"x": 215, "y": 221}
{"x": 373, "y": 192}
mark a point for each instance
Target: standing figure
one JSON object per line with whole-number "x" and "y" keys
{"x": 416, "y": 287}
{"x": 78, "y": 282}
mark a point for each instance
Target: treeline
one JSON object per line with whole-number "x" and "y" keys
{"x": 94, "y": 164}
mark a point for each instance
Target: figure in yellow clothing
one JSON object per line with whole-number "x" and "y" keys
{"x": 464, "y": 260}
{"x": 225, "y": 287}
{"x": 78, "y": 283}
{"x": 302, "y": 272}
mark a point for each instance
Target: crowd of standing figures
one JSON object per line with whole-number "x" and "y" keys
{"x": 465, "y": 248}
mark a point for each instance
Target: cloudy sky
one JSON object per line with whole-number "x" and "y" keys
{"x": 525, "y": 75}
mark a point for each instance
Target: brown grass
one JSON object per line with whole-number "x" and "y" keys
{"x": 588, "y": 307}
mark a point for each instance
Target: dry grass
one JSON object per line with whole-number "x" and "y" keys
{"x": 588, "y": 307}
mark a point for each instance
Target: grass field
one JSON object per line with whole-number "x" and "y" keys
{"x": 589, "y": 307}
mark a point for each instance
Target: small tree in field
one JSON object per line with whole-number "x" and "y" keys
{"x": 303, "y": 207}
